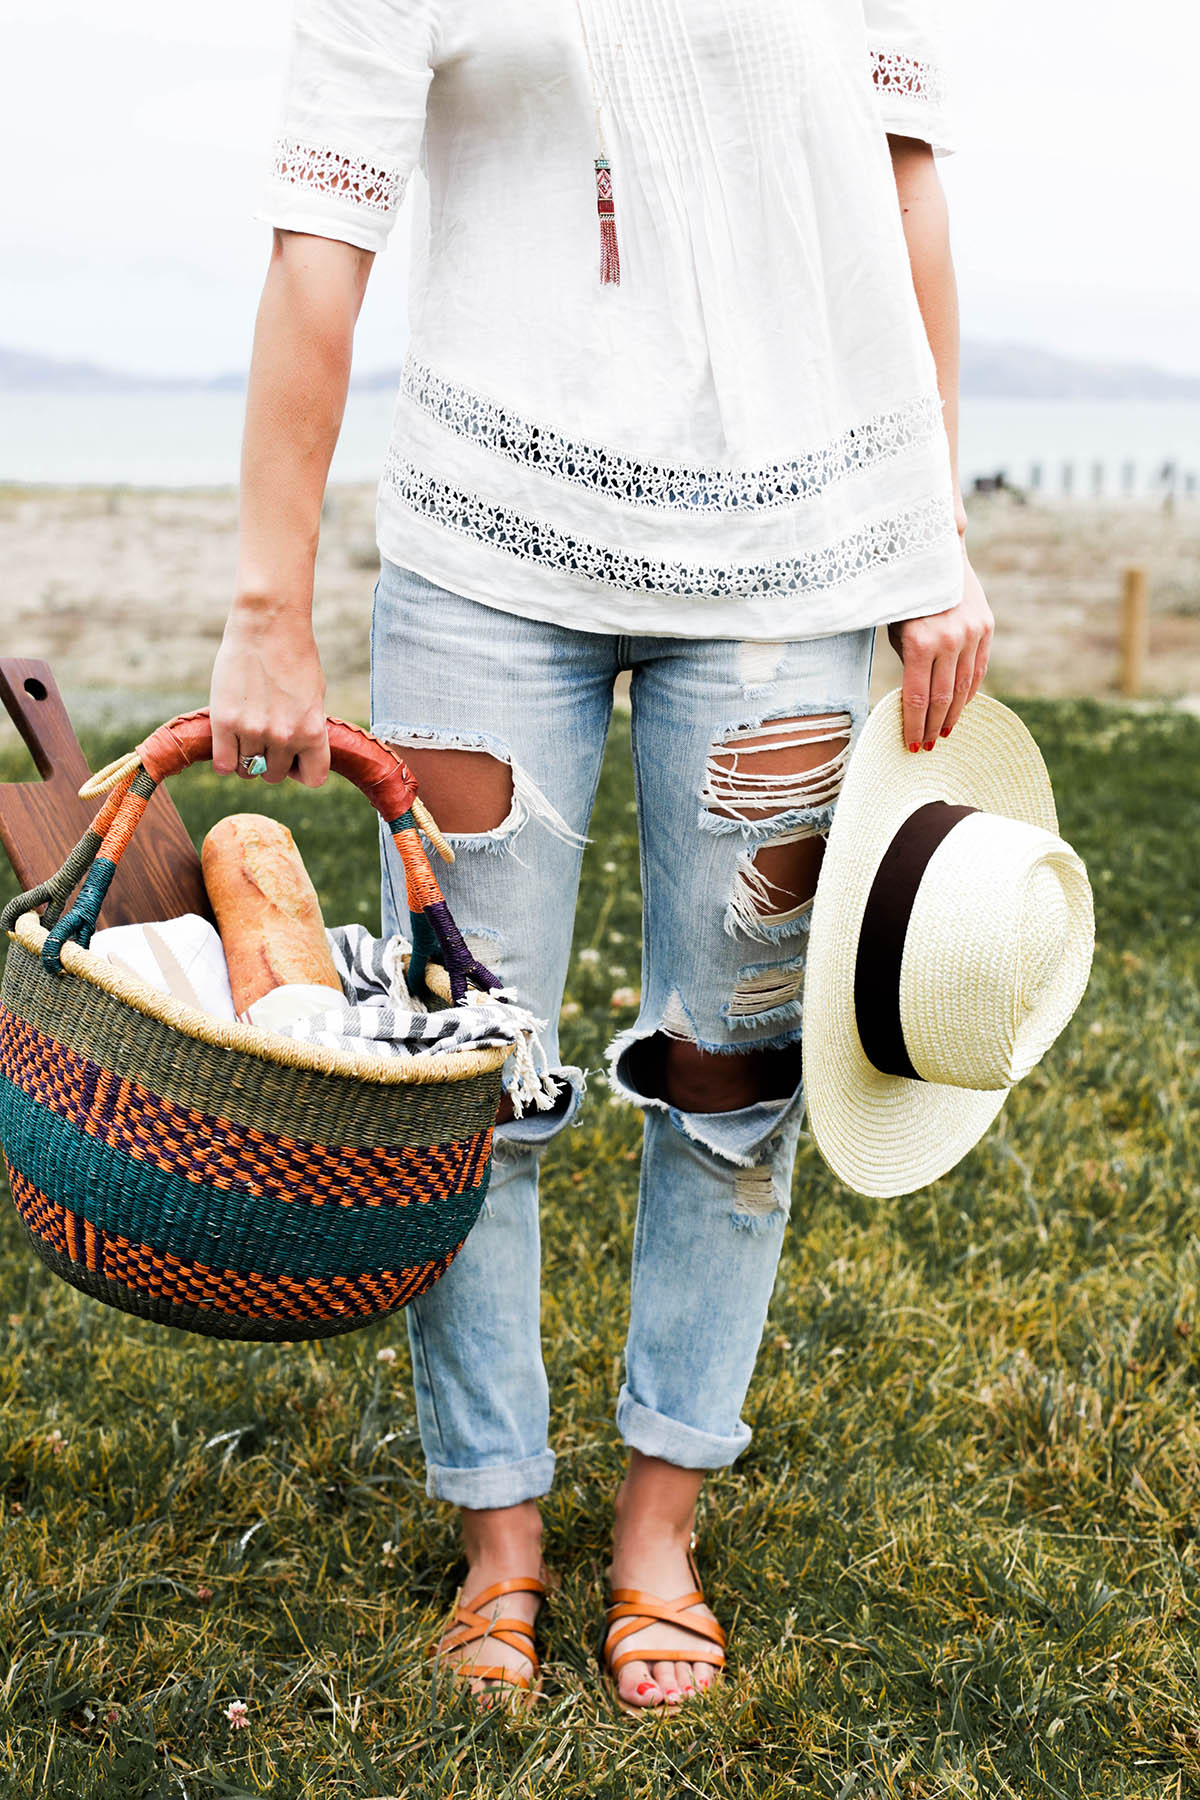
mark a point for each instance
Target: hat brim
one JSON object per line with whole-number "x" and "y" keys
{"x": 881, "y": 1134}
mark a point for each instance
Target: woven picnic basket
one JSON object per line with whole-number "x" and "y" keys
{"x": 216, "y": 1176}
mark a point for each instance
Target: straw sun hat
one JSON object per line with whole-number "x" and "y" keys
{"x": 950, "y": 943}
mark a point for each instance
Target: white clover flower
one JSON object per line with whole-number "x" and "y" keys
{"x": 386, "y": 1355}
{"x": 589, "y": 957}
{"x": 238, "y": 1714}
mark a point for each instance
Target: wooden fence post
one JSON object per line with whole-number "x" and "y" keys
{"x": 1134, "y": 622}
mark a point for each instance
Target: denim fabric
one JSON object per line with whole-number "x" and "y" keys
{"x": 715, "y": 1187}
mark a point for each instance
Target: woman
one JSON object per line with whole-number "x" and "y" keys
{"x": 680, "y": 399}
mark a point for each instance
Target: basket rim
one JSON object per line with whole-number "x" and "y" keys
{"x": 254, "y": 1040}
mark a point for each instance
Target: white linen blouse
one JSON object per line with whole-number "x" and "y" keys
{"x": 742, "y": 438}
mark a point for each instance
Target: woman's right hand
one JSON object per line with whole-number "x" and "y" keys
{"x": 268, "y": 695}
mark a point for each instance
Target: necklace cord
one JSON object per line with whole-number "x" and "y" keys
{"x": 610, "y": 256}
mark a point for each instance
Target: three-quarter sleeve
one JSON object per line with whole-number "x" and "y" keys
{"x": 352, "y": 118}
{"x": 907, "y": 55}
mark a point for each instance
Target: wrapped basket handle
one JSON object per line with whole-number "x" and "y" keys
{"x": 371, "y": 765}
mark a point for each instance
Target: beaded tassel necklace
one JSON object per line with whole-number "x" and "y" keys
{"x": 610, "y": 255}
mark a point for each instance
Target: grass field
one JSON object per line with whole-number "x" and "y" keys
{"x": 959, "y": 1558}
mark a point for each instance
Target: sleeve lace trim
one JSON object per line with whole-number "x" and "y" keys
{"x": 369, "y": 186}
{"x": 905, "y": 78}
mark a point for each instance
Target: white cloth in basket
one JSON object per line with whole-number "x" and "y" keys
{"x": 381, "y": 1018}
{"x": 182, "y": 957}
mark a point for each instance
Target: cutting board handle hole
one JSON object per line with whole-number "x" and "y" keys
{"x": 36, "y": 689}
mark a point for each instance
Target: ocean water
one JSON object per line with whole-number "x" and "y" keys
{"x": 190, "y": 439}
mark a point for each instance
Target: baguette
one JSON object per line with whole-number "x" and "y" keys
{"x": 266, "y": 908}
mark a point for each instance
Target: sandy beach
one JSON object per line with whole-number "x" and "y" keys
{"x": 124, "y": 591}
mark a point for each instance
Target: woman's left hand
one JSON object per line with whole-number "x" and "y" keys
{"x": 945, "y": 657}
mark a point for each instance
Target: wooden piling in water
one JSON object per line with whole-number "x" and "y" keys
{"x": 1134, "y": 632}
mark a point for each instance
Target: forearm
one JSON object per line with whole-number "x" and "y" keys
{"x": 299, "y": 374}
{"x": 268, "y": 691}
{"x": 926, "y": 222}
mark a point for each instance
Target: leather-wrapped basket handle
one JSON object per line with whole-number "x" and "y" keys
{"x": 372, "y": 766}
{"x": 129, "y": 784}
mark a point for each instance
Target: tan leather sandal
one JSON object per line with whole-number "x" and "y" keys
{"x": 631, "y": 1610}
{"x": 470, "y": 1625}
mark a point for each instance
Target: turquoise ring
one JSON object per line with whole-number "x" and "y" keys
{"x": 254, "y": 765}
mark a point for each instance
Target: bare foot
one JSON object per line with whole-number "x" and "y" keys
{"x": 500, "y": 1545}
{"x": 652, "y": 1533}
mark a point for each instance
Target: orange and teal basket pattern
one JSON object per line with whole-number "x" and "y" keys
{"x": 212, "y": 1176}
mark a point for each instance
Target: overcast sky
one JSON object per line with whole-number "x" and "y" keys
{"x": 135, "y": 134}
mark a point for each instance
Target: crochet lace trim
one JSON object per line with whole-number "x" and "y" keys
{"x": 363, "y": 184}
{"x": 873, "y": 546}
{"x": 670, "y": 487}
{"x": 905, "y": 78}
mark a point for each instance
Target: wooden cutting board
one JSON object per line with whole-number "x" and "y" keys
{"x": 41, "y": 821}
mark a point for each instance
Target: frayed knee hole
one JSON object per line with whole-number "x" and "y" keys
{"x": 467, "y": 791}
{"x": 705, "y": 1081}
{"x": 765, "y": 990}
{"x": 789, "y": 871}
{"x": 777, "y": 767}
{"x": 774, "y": 885}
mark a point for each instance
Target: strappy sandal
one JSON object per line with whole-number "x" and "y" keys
{"x": 635, "y": 1610}
{"x": 470, "y": 1625}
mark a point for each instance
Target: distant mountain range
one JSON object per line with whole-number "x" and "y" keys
{"x": 27, "y": 372}
{"x": 1012, "y": 371}
{"x": 1022, "y": 372}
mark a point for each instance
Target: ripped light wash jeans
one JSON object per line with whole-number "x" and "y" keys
{"x": 722, "y": 966}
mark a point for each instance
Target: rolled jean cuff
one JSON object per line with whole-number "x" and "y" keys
{"x": 534, "y": 1130}
{"x": 500, "y": 1484}
{"x": 655, "y": 1435}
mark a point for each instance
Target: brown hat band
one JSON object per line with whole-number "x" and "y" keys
{"x": 883, "y": 931}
